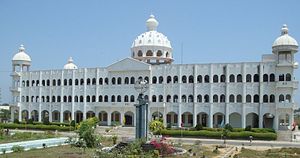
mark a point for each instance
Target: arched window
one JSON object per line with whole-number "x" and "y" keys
{"x": 248, "y": 98}
{"x": 191, "y": 79}
{"x": 281, "y": 77}
{"x": 149, "y": 53}
{"x": 199, "y": 98}
{"x": 160, "y": 80}
{"x": 231, "y": 98}
{"x": 100, "y": 98}
{"x": 183, "y": 79}
{"x": 113, "y": 98}
{"x": 272, "y": 78}
{"x": 119, "y": 98}
{"x": 126, "y": 99}
{"x": 70, "y": 82}
{"x": 65, "y": 82}
{"x": 206, "y": 79}
{"x": 88, "y": 99}
{"x": 272, "y": 98}
{"x": 65, "y": 99}
{"x": 58, "y": 82}
{"x": 256, "y": 78}
{"x": 288, "y": 98}
{"x": 175, "y": 99}
{"x": 154, "y": 80}
{"x": 76, "y": 82}
{"x": 119, "y": 80}
{"x": 100, "y": 81}
{"x": 53, "y": 99}
{"x": 223, "y": 78}
{"x": 88, "y": 81}
{"x": 169, "y": 79}
{"x": 53, "y": 83}
{"x": 76, "y": 99}
{"x": 281, "y": 98}
{"x": 215, "y": 79}
{"x": 265, "y": 78}
{"x": 256, "y": 98}
{"x": 222, "y": 98}
{"x": 132, "y": 80}
{"x": 159, "y": 53}
{"x": 231, "y": 78}
{"x": 239, "y": 98}
{"x": 140, "y": 53}
{"x": 146, "y": 98}
{"x": 81, "y": 81}
{"x": 199, "y": 79}
{"x": 43, "y": 83}
{"x": 146, "y": 79}
{"x": 94, "y": 81}
{"x": 81, "y": 99}
{"x": 160, "y": 98}
{"x": 175, "y": 79}
{"x": 215, "y": 98}
{"x": 106, "y": 81}
{"x": 126, "y": 81}
{"x": 183, "y": 98}
{"x": 239, "y": 78}
{"x": 58, "y": 99}
{"x": 265, "y": 98}
{"x": 48, "y": 83}
{"x": 169, "y": 98}
{"x": 191, "y": 99}
{"x": 206, "y": 98}
{"x": 288, "y": 77}
{"x": 105, "y": 98}
{"x": 131, "y": 98}
{"x": 113, "y": 81}
{"x": 70, "y": 99}
{"x": 248, "y": 78}
{"x": 153, "y": 98}
{"x": 93, "y": 98}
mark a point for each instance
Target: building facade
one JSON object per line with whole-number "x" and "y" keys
{"x": 258, "y": 94}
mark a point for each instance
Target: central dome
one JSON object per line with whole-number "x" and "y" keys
{"x": 152, "y": 47}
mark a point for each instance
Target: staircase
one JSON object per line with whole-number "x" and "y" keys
{"x": 284, "y": 135}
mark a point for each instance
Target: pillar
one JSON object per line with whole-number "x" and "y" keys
{"x": 108, "y": 118}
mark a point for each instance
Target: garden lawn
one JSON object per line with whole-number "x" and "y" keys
{"x": 270, "y": 153}
{"x": 23, "y": 136}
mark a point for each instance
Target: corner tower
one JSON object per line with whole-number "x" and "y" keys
{"x": 152, "y": 47}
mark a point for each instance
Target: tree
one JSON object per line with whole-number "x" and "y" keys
{"x": 4, "y": 114}
{"x": 156, "y": 126}
{"x": 86, "y": 132}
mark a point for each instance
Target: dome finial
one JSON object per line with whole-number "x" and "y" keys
{"x": 284, "y": 29}
{"x": 21, "y": 48}
{"x": 151, "y": 23}
{"x": 70, "y": 60}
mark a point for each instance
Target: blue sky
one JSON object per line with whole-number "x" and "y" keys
{"x": 98, "y": 33}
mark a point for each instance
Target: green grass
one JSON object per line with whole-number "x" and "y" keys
{"x": 271, "y": 153}
{"x": 22, "y": 136}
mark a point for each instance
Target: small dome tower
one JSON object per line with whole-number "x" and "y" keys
{"x": 152, "y": 47}
{"x": 21, "y": 60}
{"x": 70, "y": 65}
{"x": 285, "y": 47}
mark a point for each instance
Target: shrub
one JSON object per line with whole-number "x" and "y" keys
{"x": 248, "y": 128}
{"x": 29, "y": 121}
{"x": 73, "y": 123}
{"x": 17, "y": 148}
{"x": 228, "y": 127}
{"x": 46, "y": 121}
{"x": 35, "y": 127}
{"x": 156, "y": 126}
{"x": 114, "y": 139}
{"x": 199, "y": 127}
{"x": 16, "y": 121}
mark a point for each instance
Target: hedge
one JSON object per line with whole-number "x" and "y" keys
{"x": 51, "y": 123}
{"x": 217, "y": 134}
{"x": 35, "y": 127}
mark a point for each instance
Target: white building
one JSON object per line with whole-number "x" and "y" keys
{"x": 259, "y": 94}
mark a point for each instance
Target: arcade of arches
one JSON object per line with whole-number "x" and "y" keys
{"x": 218, "y": 119}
